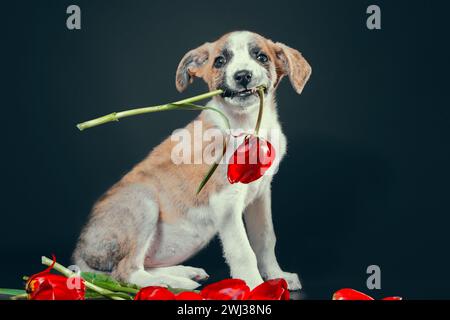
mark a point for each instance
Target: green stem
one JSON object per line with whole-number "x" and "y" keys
{"x": 68, "y": 273}
{"x": 261, "y": 107}
{"x": 12, "y": 292}
{"x": 118, "y": 288}
{"x": 258, "y": 124}
{"x": 191, "y": 106}
{"x": 185, "y": 103}
{"x": 213, "y": 168}
{"x": 115, "y": 116}
{"x": 22, "y": 296}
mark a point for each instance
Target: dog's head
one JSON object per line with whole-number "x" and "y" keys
{"x": 241, "y": 61}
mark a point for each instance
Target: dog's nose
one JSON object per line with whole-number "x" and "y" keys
{"x": 243, "y": 77}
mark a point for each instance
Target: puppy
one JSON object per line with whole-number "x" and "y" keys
{"x": 152, "y": 220}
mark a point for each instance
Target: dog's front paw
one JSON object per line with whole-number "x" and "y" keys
{"x": 253, "y": 282}
{"x": 144, "y": 279}
{"x": 179, "y": 282}
{"x": 291, "y": 278}
{"x": 196, "y": 274}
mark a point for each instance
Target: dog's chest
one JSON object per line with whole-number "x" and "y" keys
{"x": 205, "y": 220}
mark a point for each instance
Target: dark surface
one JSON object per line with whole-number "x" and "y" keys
{"x": 365, "y": 180}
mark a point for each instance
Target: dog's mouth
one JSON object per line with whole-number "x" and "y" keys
{"x": 229, "y": 93}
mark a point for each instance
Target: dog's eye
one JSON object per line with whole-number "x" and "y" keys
{"x": 261, "y": 57}
{"x": 220, "y": 62}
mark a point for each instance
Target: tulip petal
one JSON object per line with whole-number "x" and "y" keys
{"x": 275, "y": 289}
{"x": 350, "y": 294}
{"x": 154, "y": 293}
{"x": 228, "y": 289}
{"x": 188, "y": 295}
{"x": 393, "y": 298}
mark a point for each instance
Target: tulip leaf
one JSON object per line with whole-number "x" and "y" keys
{"x": 107, "y": 282}
{"x": 95, "y": 278}
{"x": 90, "y": 294}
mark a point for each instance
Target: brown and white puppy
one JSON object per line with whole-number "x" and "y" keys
{"x": 152, "y": 219}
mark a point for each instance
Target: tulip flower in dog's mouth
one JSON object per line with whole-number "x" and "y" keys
{"x": 250, "y": 160}
{"x": 254, "y": 156}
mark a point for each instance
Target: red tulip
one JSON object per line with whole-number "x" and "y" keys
{"x": 47, "y": 286}
{"x": 275, "y": 289}
{"x": 229, "y": 289}
{"x": 154, "y": 293}
{"x": 393, "y": 298}
{"x": 350, "y": 294}
{"x": 188, "y": 295}
{"x": 250, "y": 160}
{"x": 54, "y": 287}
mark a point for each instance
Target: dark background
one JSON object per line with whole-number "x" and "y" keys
{"x": 365, "y": 180}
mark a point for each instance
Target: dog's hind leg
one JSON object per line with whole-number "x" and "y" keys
{"x": 140, "y": 217}
{"x": 118, "y": 236}
{"x": 139, "y": 214}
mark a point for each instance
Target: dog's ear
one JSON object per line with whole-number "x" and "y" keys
{"x": 290, "y": 62}
{"x": 192, "y": 65}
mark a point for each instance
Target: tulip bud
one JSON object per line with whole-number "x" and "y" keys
{"x": 350, "y": 294}
{"x": 47, "y": 286}
{"x": 250, "y": 160}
